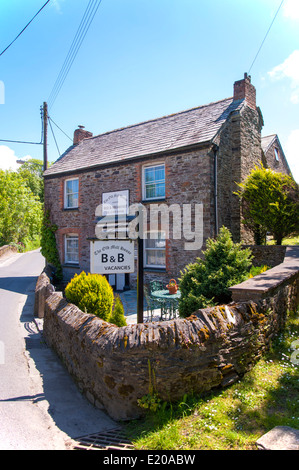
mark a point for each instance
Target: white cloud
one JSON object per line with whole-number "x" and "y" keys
{"x": 8, "y": 158}
{"x": 289, "y": 69}
{"x": 56, "y": 4}
{"x": 291, "y": 9}
{"x": 292, "y": 153}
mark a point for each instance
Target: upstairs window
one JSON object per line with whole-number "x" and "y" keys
{"x": 154, "y": 182}
{"x": 276, "y": 152}
{"x": 71, "y": 193}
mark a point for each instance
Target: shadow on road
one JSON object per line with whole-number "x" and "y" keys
{"x": 69, "y": 409}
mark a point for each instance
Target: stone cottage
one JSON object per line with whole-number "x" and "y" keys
{"x": 194, "y": 157}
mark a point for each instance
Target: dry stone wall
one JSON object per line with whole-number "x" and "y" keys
{"x": 114, "y": 367}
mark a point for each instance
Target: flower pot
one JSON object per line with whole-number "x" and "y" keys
{"x": 172, "y": 287}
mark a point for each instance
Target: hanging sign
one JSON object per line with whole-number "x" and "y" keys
{"x": 112, "y": 256}
{"x": 115, "y": 203}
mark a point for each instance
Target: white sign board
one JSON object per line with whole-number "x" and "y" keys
{"x": 115, "y": 203}
{"x": 111, "y": 256}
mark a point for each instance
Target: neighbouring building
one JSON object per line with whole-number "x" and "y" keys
{"x": 192, "y": 157}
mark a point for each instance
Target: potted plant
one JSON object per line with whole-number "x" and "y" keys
{"x": 172, "y": 287}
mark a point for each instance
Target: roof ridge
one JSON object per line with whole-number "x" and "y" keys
{"x": 157, "y": 119}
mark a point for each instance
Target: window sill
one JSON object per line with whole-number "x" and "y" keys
{"x": 154, "y": 270}
{"x": 149, "y": 201}
{"x": 70, "y": 209}
{"x": 71, "y": 265}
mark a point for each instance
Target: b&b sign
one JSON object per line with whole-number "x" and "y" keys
{"x": 112, "y": 256}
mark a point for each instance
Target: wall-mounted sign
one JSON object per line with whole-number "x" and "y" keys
{"x": 111, "y": 256}
{"x": 115, "y": 203}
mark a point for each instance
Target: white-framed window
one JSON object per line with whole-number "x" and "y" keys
{"x": 71, "y": 249}
{"x": 71, "y": 193}
{"x": 155, "y": 250}
{"x": 154, "y": 182}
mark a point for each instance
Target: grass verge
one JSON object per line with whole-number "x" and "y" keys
{"x": 233, "y": 418}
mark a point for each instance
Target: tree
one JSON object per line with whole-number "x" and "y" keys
{"x": 206, "y": 282}
{"x": 269, "y": 203}
{"x": 20, "y": 210}
{"x": 32, "y": 173}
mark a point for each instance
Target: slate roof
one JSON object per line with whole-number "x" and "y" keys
{"x": 176, "y": 131}
{"x": 267, "y": 141}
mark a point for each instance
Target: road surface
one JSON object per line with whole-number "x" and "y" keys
{"x": 40, "y": 406}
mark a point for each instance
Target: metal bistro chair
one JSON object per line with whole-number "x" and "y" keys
{"x": 151, "y": 304}
{"x": 156, "y": 285}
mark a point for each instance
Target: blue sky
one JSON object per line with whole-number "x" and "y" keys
{"x": 142, "y": 59}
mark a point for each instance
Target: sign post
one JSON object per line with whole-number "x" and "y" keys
{"x": 116, "y": 255}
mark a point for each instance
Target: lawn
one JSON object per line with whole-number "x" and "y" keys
{"x": 232, "y": 418}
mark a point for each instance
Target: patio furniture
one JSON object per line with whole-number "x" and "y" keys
{"x": 170, "y": 303}
{"x": 152, "y": 304}
{"x": 156, "y": 285}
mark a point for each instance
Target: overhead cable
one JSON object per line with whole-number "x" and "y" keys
{"x": 82, "y": 30}
{"x": 24, "y": 28}
{"x": 59, "y": 128}
{"x": 266, "y": 36}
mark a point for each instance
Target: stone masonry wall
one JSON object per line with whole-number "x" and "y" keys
{"x": 214, "y": 347}
{"x": 239, "y": 151}
{"x": 188, "y": 181}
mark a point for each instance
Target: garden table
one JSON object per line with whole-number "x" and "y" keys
{"x": 170, "y": 302}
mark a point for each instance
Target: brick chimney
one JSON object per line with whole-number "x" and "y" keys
{"x": 243, "y": 89}
{"x": 81, "y": 134}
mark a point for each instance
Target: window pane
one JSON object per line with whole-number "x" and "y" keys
{"x": 160, "y": 190}
{"x": 72, "y": 250}
{"x": 149, "y": 175}
{"x": 71, "y": 192}
{"x": 154, "y": 182}
{"x": 159, "y": 173}
{"x": 150, "y": 191}
{"x": 154, "y": 245}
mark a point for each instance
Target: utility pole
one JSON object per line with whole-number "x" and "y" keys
{"x": 45, "y": 124}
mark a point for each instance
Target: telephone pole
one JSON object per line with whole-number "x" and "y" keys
{"x": 45, "y": 126}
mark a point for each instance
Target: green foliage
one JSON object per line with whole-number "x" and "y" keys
{"x": 48, "y": 244}
{"x": 32, "y": 173}
{"x": 150, "y": 402}
{"x": 20, "y": 210}
{"x": 92, "y": 293}
{"x": 118, "y": 315}
{"x": 256, "y": 270}
{"x": 269, "y": 203}
{"x": 206, "y": 282}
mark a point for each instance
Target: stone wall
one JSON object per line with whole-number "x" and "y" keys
{"x": 270, "y": 255}
{"x": 114, "y": 367}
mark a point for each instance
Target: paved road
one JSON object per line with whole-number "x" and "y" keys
{"x": 40, "y": 406}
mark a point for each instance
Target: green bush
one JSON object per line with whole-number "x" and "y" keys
{"x": 207, "y": 281}
{"x": 48, "y": 244}
{"x": 92, "y": 293}
{"x": 118, "y": 315}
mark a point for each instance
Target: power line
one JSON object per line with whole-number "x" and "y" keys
{"x": 21, "y": 142}
{"x": 54, "y": 138}
{"x": 29, "y": 143}
{"x": 25, "y": 27}
{"x": 82, "y": 30}
{"x": 266, "y": 36}
{"x": 60, "y": 129}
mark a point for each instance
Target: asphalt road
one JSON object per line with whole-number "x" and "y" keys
{"x": 40, "y": 406}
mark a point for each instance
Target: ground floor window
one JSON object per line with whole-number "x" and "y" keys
{"x": 154, "y": 250}
{"x": 72, "y": 249}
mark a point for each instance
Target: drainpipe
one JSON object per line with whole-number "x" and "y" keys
{"x": 215, "y": 149}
